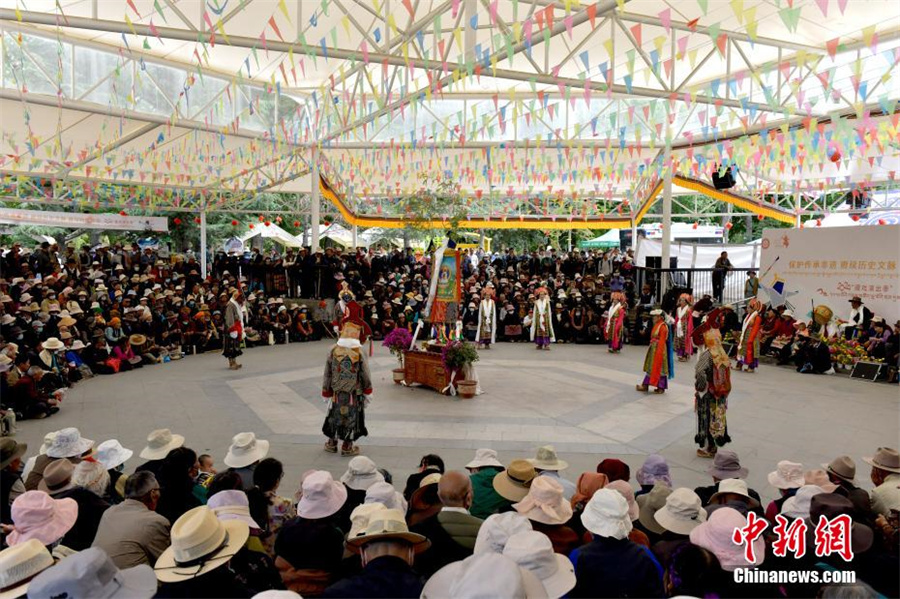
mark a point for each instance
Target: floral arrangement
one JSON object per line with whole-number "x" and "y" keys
{"x": 398, "y": 341}
{"x": 846, "y": 352}
{"x": 456, "y": 355}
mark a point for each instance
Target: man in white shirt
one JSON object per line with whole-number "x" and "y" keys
{"x": 886, "y": 477}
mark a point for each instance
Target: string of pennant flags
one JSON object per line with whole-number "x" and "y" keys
{"x": 782, "y": 138}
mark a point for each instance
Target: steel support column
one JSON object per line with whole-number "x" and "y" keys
{"x": 203, "y": 242}
{"x": 314, "y": 204}
{"x": 667, "y": 217}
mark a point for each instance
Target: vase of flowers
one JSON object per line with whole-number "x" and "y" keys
{"x": 458, "y": 357}
{"x": 398, "y": 341}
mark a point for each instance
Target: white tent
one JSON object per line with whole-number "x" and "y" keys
{"x": 272, "y": 231}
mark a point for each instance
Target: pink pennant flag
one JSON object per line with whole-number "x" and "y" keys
{"x": 682, "y": 45}
{"x": 823, "y": 6}
{"x": 455, "y": 8}
{"x": 569, "y": 21}
{"x": 842, "y": 5}
{"x": 666, "y": 18}
{"x": 365, "y": 51}
{"x": 493, "y": 12}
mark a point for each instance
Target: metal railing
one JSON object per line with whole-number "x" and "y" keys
{"x": 727, "y": 287}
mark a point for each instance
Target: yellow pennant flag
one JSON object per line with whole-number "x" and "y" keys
{"x": 608, "y": 44}
{"x": 658, "y": 42}
{"x": 737, "y": 6}
{"x": 284, "y": 10}
{"x": 692, "y": 57}
{"x": 392, "y": 23}
{"x": 346, "y": 23}
{"x": 457, "y": 36}
{"x": 130, "y": 24}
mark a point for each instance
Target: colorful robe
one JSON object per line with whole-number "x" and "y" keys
{"x": 748, "y": 347}
{"x": 542, "y": 323}
{"x": 487, "y": 321}
{"x": 346, "y": 384}
{"x": 615, "y": 326}
{"x": 684, "y": 328}
{"x": 712, "y": 384}
{"x": 658, "y": 362}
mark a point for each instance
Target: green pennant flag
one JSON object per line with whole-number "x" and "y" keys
{"x": 704, "y": 5}
{"x": 790, "y": 17}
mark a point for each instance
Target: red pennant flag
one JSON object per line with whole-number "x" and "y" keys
{"x": 636, "y": 32}
{"x": 409, "y": 7}
{"x": 275, "y": 27}
{"x": 592, "y": 14}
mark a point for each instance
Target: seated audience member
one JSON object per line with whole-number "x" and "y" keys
{"x": 206, "y": 471}
{"x": 611, "y": 565}
{"x": 113, "y": 457}
{"x": 269, "y": 509}
{"x": 91, "y": 573}
{"x": 513, "y": 483}
{"x": 85, "y": 483}
{"x": 726, "y": 464}
{"x": 483, "y": 469}
{"x": 361, "y": 474}
{"x": 132, "y": 533}
{"x": 244, "y": 454}
{"x": 428, "y": 464}
{"x": 678, "y": 517}
{"x": 485, "y": 575}
{"x": 654, "y": 469}
{"x": 11, "y": 483}
{"x": 20, "y": 564}
{"x": 694, "y": 572}
{"x": 452, "y": 530}
{"x": 734, "y": 492}
{"x": 68, "y": 444}
{"x": 787, "y": 478}
{"x": 588, "y": 484}
{"x": 547, "y": 463}
{"x": 497, "y": 529}
{"x": 841, "y": 471}
{"x": 614, "y": 469}
{"x": 193, "y": 565}
{"x": 36, "y": 515}
{"x": 634, "y": 512}
{"x": 533, "y": 551}
{"x": 885, "y": 476}
{"x": 176, "y": 481}
{"x": 387, "y": 551}
{"x": 715, "y": 535}
{"x": 309, "y": 548}
{"x": 648, "y": 505}
{"x": 159, "y": 443}
{"x": 549, "y": 513}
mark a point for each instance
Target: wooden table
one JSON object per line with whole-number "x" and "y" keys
{"x": 425, "y": 368}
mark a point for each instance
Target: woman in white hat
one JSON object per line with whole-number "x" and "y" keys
{"x": 113, "y": 457}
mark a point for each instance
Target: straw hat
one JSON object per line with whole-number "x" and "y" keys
{"x": 68, "y": 443}
{"x": 232, "y": 505}
{"x": 137, "y": 340}
{"x": 245, "y": 450}
{"x": 496, "y": 530}
{"x": 533, "y": 551}
{"x": 606, "y": 515}
{"x": 159, "y": 443}
{"x": 19, "y": 565}
{"x": 77, "y": 344}
{"x": 787, "y": 475}
{"x": 483, "y": 458}
{"x": 513, "y": 483}
{"x": 200, "y": 543}
{"x": 36, "y": 515}
{"x": 57, "y": 477}
{"x": 53, "y": 344}
{"x": 650, "y": 503}
{"x": 843, "y": 467}
{"x": 715, "y": 535}
{"x": 361, "y": 474}
{"x": 359, "y": 517}
{"x": 387, "y": 525}
{"x": 545, "y": 503}
{"x": 67, "y": 321}
{"x": 111, "y": 454}
{"x": 885, "y": 459}
{"x": 321, "y": 497}
{"x": 733, "y": 486}
{"x": 682, "y": 513}
{"x": 91, "y": 573}
{"x": 483, "y": 575}
{"x": 548, "y": 460}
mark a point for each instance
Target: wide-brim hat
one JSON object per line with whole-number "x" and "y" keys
{"x": 606, "y": 515}
{"x": 388, "y": 525}
{"x": 10, "y": 449}
{"x": 547, "y": 459}
{"x": 137, "y": 340}
{"x": 159, "y": 443}
{"x": 734, "y": 486}
{"x": 856, "y": 299}
{"x": 36, "y": 515}
{"x": 19, "y": 565}
{"x": 726, "y": 464}
{"x": 513, "y": 483}
{"x": 484, "y": 458}
{"x": 52, "y": 343}
{"x": 111, "y": 454}
{"x": 650, "y": 503}
{"x": 715, "y": 535}
{"x": 321, "y": 496}
{"x": 245, "y": 449}
{"x": 545, "y": 502}
{"x": 533, "y": 551}
{"x": 69, "y": 443}
{"x": 361, "y": 474}
{"x": 57, "y": 477}
{"x": 843, "y": 468}
{"x": 787, "y": 475}
{"x": 202, "y": 542}
{"x": 232, "y": 505}
{"x": 682, "y": 513}
{"x": 884, "y": 459}
{"x": 478, "y": 568}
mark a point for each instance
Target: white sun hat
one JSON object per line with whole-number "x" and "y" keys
{"x": 245, "y": 449}
{"x": 111, "y": 454}
{"x": 159, "y": 443}
{"x": 200, "y": 543}
{"x": 68, "y": 443}
{"x": 361, "y": 474}
{"x": 533, "y": 551}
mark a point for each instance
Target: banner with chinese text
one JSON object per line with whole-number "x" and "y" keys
{"x": 828, "y": 266}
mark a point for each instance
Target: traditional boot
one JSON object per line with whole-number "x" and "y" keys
{"x": 643, "y": 388}
{"x": 331, "y": 446}
{"x": 349, "y": 449}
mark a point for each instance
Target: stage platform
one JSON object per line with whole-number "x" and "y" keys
{"x": 579, "y": 398}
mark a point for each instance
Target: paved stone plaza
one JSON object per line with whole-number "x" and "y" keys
{"x": 581, "y": 399}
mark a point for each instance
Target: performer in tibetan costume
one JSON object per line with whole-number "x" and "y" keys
{"x": 684, "y": 328}
{"x": 658, "y": 366}
{"x": 615, "y": 322}
{"x": 712, "y": 384}
{"x": 347, "y": 385}
{"x": 487, "y": 318}
{"x": 234, "y": 327}
{"x": 748, "y": 346}
{"x": 542, "y": 322}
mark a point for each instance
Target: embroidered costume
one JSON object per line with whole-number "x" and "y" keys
{"x": 234, "y": 327}
{"x": 615, "y": 322}
{"x": 684, "y": 328}
{"x": 542, "y": 323}
{"x": 658, "y": 366}
{"x": 487, "y": 319}
{"x": 347, "y": 385}
{"x": 748, "y": 347}
{"x": 712, "y": 384}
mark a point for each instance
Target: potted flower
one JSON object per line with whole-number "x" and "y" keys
{"x": 398, "y": 341}
{"x": 458, "y": 357}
